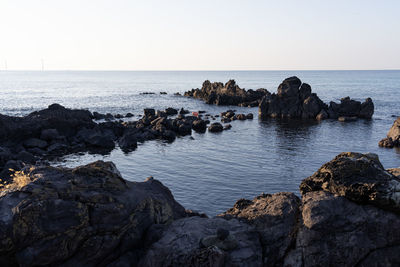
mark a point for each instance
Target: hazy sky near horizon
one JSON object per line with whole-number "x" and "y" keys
{"x": 199, "y": 35}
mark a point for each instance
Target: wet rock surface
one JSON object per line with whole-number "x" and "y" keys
{"x": 294, "y": 99}
{"x": 227, "y": 94}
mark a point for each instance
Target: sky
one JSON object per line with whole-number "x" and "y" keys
{"x": 199, "y": 35}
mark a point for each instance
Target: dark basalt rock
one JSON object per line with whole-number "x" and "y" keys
{"x": 295, "y": 99}
{"x": 393, "y": 136}
{"x": 193, "y": 242}
{"x": 348, "y": 216}
{"x": 87, "y": 216}
{"x": 171, "y": 111}
{"x": 352, "y": 108}
{"x": 57, "y": 131}
{"x": 334, "y": 231}
{"x": 358, "y": 177}
{"x": 275, "y": 219}
{"x": 215, "y": 127}
{"x": 229, "y": 94}
{"x": 183, "y": 111}
{"x": 128, "y": 141}
{"x": 149, "y": 112}
{"x": 199, "y": 126}
{"x": 49, "y": 134}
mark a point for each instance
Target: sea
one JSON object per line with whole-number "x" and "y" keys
{"x": 209, "y": 172}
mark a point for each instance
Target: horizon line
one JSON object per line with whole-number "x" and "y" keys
{"x": 216, "y": 70}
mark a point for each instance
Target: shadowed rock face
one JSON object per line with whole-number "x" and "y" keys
{"x": 227, "y": 94}
{"x": 179, "y": 245}
{"x": 86, "y": 216}
{"x": 393, "y": 136}
{"x": 275, "y": 219}
{"x": 294, "y": 99}
{"x": 335, "y": 231}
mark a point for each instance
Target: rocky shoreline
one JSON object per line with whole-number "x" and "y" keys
{"x": 348, "y": 215}
{"x": 294, "y": 99}
{"x": 348, "y": 212}
{"x": 58, "y": 131}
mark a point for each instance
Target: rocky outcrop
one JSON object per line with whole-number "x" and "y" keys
{"x": 227, "y": 94}
{"x": 274, "y": 217}
{"x": 348, "y": 215}
{"x": 295, "y": 99}
{"x": 58, "y": 131}
{"x": 181, "y": 244}
{"x": 86, "y": 216}
{"x": 334, "y": 231}
{"x": 358, "y": 177}
{"x": 393, "y": 136}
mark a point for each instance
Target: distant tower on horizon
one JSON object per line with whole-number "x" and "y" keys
{"x": 42, "y": 64}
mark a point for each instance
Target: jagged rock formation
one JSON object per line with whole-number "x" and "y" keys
{"x": 57, "y": 131}
{"x": 84, "y": 216}
{"x": 348, "y": 215}
{"x": 227, "y": 94}
{"x": 393, "y": 136}
{"x": 294, "y": 99}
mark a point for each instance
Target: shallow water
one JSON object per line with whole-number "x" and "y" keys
{"x": 209, "y": 172}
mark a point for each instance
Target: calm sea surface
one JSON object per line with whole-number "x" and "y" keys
{"x": 209, "y": 172}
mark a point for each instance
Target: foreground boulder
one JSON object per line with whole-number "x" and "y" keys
{"x": 252, "y": 233}
{"x": 227, "y": 94}
{"x": 85, "y": 216}
{"x": 274, "y": 217}
{"x": 181, "y": 244}
{"x": 295, "y": 99}
{"x": 334, "y": 231}
{"x": 393, "y": 136}
{"x": 358, "y": 177}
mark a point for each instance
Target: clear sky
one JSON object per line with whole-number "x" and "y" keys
{"x": 199, "y": 35}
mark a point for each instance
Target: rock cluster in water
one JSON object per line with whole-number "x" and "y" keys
{"x": 348, "y": 215}
{"x": 294, "y": 99}
{"x": 393, "y": 136}
{"x": 57, "y": 131}
{"x": 227, "y": 94}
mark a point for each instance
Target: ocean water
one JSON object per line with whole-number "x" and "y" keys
{"x": 209, "y": 172}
